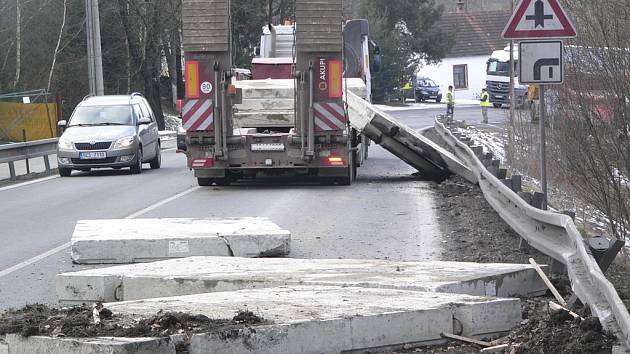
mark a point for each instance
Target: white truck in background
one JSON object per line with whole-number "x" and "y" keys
{"x": 498, "y": 79}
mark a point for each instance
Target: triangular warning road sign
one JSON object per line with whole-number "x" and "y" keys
{"x": 539, "y": 19}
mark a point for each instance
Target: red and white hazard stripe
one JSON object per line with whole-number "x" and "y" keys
{"x": 198, "y": 114}
{"x": 329, "y": 116}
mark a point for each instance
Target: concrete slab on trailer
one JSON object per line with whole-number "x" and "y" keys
{"x": 196, "y": 275}
{"x": 403, "y": 141}
{"x": 143, "y": 240}
{"x": 100, "y": 345}
{"x": 284, "y": 89}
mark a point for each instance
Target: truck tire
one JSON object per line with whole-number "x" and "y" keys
{"x": 204, "y": 182}
{"x": 349, "y": 177}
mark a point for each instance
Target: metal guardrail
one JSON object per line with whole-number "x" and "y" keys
{"x": 553, "y": 234}
{"x": 10, "y": 153}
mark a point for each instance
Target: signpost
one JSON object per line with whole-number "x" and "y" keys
{"x": 540, "y": 61}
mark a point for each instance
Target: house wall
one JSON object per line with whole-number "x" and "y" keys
{"x": 442, "y": 74}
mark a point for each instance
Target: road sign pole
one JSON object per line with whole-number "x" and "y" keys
{"x": 543, "y": 153}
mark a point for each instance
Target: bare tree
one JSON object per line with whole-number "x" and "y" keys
{"x": 18, "y": 43}
{"x": 57, "y": 50}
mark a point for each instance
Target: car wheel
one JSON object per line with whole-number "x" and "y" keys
{"x": 204, "y": 182}
{"x": 137, "y": 167}
{"x": 497, "y": 105}
{"x": 157, "y": 161}
{"x": 438, "y": 100}
{"x": 65, "y": 172}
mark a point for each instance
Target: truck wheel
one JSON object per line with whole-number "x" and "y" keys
{"x": 204, "y": 182}
{"x": 349, "y": 177}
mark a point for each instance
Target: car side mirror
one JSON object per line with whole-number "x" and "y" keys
{"x": 144, "y": 120}
{"x": 62, "y": 124}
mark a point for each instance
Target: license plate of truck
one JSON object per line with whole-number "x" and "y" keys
{"x": 268, "y": 147}
{"x": 92, "y": 155}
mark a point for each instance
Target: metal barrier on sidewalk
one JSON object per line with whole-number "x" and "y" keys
{"x": 10, "y": 153}
{"x": 551, "y": 233}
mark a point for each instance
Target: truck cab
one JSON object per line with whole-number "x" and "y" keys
{"x": 498, "y": 78}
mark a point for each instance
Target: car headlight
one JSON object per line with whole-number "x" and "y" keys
{"x": 124, "y": 142}
{"x": 424, "y": 92}
{"x": 65, "y": 144}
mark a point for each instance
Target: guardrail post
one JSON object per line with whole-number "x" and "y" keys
{"x": 557, "y": 267}
{"x": 537, "y": 200}
{"x": 477, "y": 150}
{"x": 517, "y": 184}
{"x": 12, "y": 170}
{"x": 47, "y": 163}
{"x": 502, "y": 174}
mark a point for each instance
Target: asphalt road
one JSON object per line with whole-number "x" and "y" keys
{"x": 386, "y": 214}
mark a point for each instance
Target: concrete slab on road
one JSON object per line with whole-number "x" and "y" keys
{"x": 144, "y": 240}
{"x": 197, "y": 275}
{"x": 307, "y": 319}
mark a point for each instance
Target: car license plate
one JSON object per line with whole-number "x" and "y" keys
{"x": 433, "y": 96}
{"x": 498, "y": 96}
{"x": 92, "y": 155}
{"x": 268, "y": 147}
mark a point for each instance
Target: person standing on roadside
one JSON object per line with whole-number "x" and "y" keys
{"x": 484, "y": 102}
{"x": 450, "y": 104}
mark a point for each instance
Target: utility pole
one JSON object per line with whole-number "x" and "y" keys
{"x": 511, "y": 71}
{"x": 95, "y": 61}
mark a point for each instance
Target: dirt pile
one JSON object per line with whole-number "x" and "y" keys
{"x": 78, "y": 322}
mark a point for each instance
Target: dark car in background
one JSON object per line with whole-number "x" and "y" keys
{"x": 426, "y": 89}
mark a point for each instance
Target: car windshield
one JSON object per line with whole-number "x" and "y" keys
{"x": 101, "y": 115}
{"x": 426, "y": 83}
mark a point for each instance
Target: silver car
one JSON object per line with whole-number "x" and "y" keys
{"x": 109, "y": 131}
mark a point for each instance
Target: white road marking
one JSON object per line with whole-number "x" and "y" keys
{"x": 29, "y": 182}
{"x": 60, "y": 248}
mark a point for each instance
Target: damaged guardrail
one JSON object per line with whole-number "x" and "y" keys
{"x": 551, "y": 233}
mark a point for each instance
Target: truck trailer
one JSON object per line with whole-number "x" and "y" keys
{"x": 291, "y": 118}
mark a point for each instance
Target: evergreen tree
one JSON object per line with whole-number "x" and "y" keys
{"x": 407, "y": 35}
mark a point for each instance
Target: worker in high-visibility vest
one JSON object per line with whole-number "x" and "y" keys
{"x": 450, "y": 104}
{"x": 484, "y": 102}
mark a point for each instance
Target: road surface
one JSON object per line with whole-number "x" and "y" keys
{"x": 386, "y": 214}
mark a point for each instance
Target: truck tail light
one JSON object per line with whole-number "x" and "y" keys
{"x": 335, "y": 161}
{"x": 201, "y": 163}
{"x": 179, "y": 106}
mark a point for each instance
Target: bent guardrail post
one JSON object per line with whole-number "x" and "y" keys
{"x": 553, "y": 234}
